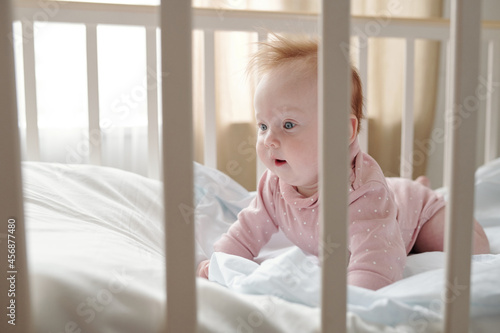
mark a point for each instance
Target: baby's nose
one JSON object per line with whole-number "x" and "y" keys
{"x": 271, "y": 140}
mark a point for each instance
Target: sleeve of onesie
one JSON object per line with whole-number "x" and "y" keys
{"x": 254, "y": 226}
{"x": 378, "y": 253}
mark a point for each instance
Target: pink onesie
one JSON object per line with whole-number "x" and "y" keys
{"x": 384, "y": 216}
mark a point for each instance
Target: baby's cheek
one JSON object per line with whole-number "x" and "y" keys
{"x": 260, "y": 151}
{"x": 312, "y": 154}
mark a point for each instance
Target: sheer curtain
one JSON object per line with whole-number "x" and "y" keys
{"x": 61, "y": 90}
{"x": 62, "y": 104}
{"x": 385, "y": 89}
{"x": 235, "y": 129}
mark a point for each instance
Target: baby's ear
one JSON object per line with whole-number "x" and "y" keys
{"x": 353, "y": 128}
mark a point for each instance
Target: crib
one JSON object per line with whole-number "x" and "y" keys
{"x": 188, "y": 304}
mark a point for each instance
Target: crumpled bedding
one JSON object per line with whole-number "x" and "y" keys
{"x": 95, "y": 252}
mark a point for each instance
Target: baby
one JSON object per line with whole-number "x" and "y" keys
{"x": 387, "y": 218}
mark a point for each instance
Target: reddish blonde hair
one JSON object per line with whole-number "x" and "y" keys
{"x": 280, "y": 51}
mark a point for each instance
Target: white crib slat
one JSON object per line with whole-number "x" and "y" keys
{"x": 492, "y": 103}
{"x": 152, "y": 92}
{"x": 333, "y": 91}
{"x": 262, "y": 36}
{"x": 210, "y": 147}
{"x": 363, "y": 75}
{"x": 406, "y": 165}
{"x": 448, "y": 103}
{"x": 11, "y": 194}
{"x": 32, "y": 136}
{"x": 178, "y": 165}
{"x": 93, "y": 95}
{"x": 465, "y": 37}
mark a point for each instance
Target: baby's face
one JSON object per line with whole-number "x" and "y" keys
{"x": 287, "y": 119}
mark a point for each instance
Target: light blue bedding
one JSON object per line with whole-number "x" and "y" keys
{"x": 417, "y": 298}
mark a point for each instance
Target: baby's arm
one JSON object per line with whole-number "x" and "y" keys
{"x": 244, "y": 238}
{"x": 230, "y": 243}
{"x": 251, "y": 231}
{"x": 378, "y": 253}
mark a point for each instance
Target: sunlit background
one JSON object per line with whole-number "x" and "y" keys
{"x": 61, "y": 73}
{"x": 61, "y": 76}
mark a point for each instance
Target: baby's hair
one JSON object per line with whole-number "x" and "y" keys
{"x": 282, "y": 50}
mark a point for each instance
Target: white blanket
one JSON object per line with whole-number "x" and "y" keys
{"x": 295, "y": 277}
{"x": 96, "y": 263}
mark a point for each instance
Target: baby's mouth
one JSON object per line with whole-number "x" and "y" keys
{"x": 279, "y": 163}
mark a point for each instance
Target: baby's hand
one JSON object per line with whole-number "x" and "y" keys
{"x": 202, "y": 270}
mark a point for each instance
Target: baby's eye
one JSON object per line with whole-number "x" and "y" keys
{"x": 289, "y": 125}
{"x": 262, "y": 127}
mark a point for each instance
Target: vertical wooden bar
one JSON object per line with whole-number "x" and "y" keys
{"x": 93, "y": 95}
{"x": 448, "y": 103}
{"x": 152, "y": 98}
{"x": 178, "y": 165}
{"x": 406, "y": 165}
{"x": 32, "y": 136}
{"x": 260, "y": 168}
{"x": 363, "y": 75}
{"x": 14, "y": 279}
{"x": 210, "y": 147}
{"x": 492, "y": 103}
{"x": 334, "y": 95}
{"x": 465, "y": 38}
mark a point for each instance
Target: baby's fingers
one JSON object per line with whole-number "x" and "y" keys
{"x": 203, "y": 269}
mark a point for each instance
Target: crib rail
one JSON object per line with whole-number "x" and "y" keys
{"x": 333, "y": 77}
{"x": 14, "y": 284}
{"x": 93, "y": 94}
{"x": 465, "y": 37}
{"x": 178, "y": 172}
{"x": 176, "y": 64}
